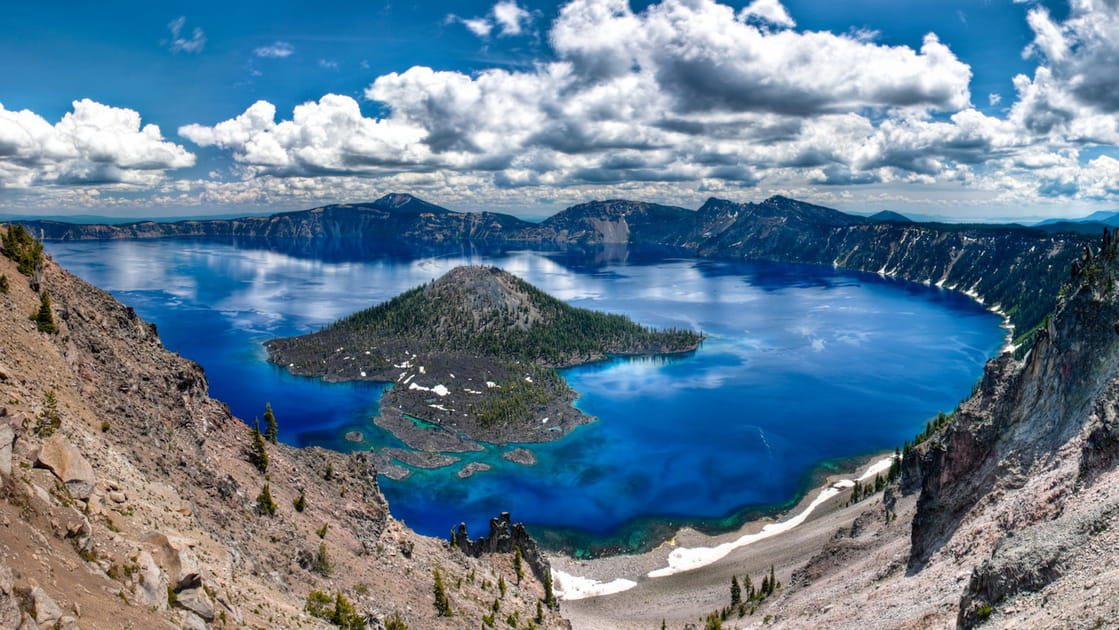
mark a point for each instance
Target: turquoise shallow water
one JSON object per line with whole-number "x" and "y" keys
{"x": 802, "y": 365}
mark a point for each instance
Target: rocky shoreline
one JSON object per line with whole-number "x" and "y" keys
{"x": 590, "y": 588}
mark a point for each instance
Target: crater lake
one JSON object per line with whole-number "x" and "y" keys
{"x": 803, "y": 367}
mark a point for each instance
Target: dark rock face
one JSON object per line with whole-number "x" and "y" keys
{"x": 505, "y": 538}
{"x": 1027, "y": 417}
{"x": 1023, "y": 411}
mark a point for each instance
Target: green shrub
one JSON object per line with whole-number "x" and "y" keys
{"x": 395, "y": 622}
{"x": 264, "y": 503}
{"x": 337, "y": 610}
{"x": 49, "y": 419}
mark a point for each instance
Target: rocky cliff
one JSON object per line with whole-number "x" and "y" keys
{"x": 1007, "y": 516}
{"x": 392, "y": 217}
{"x": 129, "y": 498}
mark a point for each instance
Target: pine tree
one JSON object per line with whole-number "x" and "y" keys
{"x": 300, "y": 503}
{"x": 259, "y": 455}
{"x": 324, "y": 564}
{"x": 44, "y": 319}
{"x": 329, "y": 474}
{"x": 501, "y": 585}
{"x": 735, "y": 591}
{"x": 4, "y": 286}
{"x": 22, "y": 248}
{"x": 48, "y": 419}
{"x": 271, "y": 429}
{"x": 549, "y": 594}
{"x": 895, "y": 466}
{"x": 344, "y": 611}
{"x": 264, "y": 502}
{"x": 772, "y": 581}
{"x": 442, "y": 604}
{"x": 749, "y": 589}
{"x": 518, "y": 567}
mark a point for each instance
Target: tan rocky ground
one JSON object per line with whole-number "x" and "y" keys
{"x": 141, "y": 510}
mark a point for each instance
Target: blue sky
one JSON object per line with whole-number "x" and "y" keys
{"x": 972, "y": 109}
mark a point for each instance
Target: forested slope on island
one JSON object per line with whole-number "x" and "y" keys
{"x": 1014, "y": 268}
{"x": 475, "y": 351}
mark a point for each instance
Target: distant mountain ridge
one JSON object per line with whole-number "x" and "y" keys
{"x": 890, "y": 215}
{"x": 1015, "y": 269}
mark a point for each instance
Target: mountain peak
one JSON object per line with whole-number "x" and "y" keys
{"x": 406, "y": 203}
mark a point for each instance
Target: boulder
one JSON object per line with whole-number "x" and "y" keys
{"x": 10, "y": 613}
{"x": 192, "y": 621}
{"x": 45, "y": 609}
{"x": 196, "y": 601}
{"x": 67, "y": 463}
{"x": 7, "y": 440}
{"x": 151, "y": 590}
{"x": 177, "y": 559}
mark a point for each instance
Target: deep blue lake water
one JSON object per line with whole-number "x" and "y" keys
{"x": 802, "y": 365}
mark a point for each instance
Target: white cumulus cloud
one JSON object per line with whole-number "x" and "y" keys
{"x": 93, "y": 144}
{"x": 511, "y": 17}
{"x": 507, "y": 16}
{"x": 693, "y": 93}
{"x": 771, "y": 11}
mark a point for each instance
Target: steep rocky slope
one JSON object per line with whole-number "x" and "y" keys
{"x": 1008, "y": 517}
{"x": 141, "y": 509}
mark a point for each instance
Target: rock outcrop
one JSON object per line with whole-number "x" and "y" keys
{"x": 505, "y": 537}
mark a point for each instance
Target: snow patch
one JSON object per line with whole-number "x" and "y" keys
{"x": 439, "y": 390}
{"x": 570, "y": 587}
{"x": 684, "y": 559}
